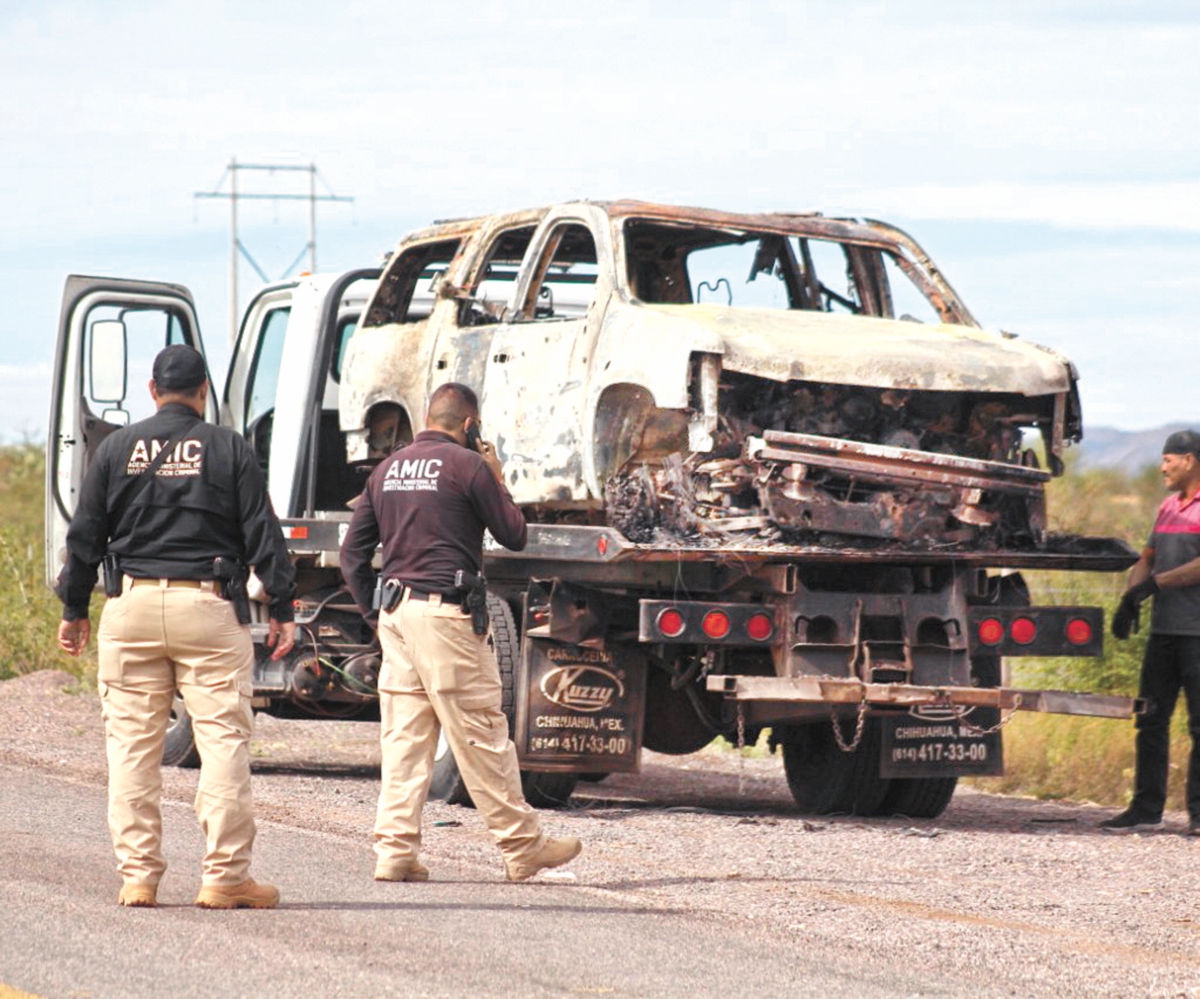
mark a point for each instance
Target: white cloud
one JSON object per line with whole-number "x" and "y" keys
{"x": 1171, "y": 205}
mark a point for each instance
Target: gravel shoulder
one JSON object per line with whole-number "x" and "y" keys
{"x": 1009, "y": 896}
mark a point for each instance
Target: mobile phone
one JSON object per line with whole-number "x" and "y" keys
{"x": 473, "y": 436}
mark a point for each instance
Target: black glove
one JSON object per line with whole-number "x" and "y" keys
{"x": 1145, "y": 589}
{"x": 1126, "y": 618}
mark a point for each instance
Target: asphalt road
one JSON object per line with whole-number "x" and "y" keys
{"x": 338, "y": 933}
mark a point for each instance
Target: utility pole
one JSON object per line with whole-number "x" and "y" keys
{"x": 235, "y": 244}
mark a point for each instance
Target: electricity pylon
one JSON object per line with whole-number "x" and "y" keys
{"x": 235, "y": 244}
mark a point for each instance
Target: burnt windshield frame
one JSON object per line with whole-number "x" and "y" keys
{"x": 657, "y": 251}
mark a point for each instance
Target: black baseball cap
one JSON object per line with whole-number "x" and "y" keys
{"x": 179, "y": 368}
{"x": 1183, "y": 442}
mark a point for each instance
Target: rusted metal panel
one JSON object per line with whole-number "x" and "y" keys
{"x": 578, "y": 545}
{"x": 882, "y": 463}
{"x": 838, "y": 691}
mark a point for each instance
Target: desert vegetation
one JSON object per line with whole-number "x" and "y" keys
{"x": 29, "y": 611}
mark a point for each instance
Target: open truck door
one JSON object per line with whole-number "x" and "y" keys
{"x": 109, "y": 332}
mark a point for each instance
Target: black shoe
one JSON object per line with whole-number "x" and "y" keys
{"x": 1193, "y": 828}
{"x": 1130, "y": 821}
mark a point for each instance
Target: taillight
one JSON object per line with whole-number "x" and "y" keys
{"x": 715, "y": 624}
{"x": 760, "y": 627}
{"x": 1079, "y": 631}
{"x": 1022, "y": 631}
{"x": 991, "y": 631}
{"x": 602, "y": 545}
{"x": 671, "y": 623}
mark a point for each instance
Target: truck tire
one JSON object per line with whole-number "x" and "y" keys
{"x": 919, "y": 797}
{"x": 447, "y": 784}
{"x": 673, "y": 725}
{"x": 542, "y": 790}
{"x": 179, "y": 746}
{"x": 824, "y": 780}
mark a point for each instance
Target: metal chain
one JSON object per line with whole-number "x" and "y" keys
{"x": 741, "y": 745}
{"x": 858, "y": 728}
{"x": 1004, "y": 720}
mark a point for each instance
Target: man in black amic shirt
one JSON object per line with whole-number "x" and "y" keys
{"x": 428, "y": 504}
{"x": 165, "y": 518}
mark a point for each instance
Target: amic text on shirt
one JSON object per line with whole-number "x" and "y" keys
{"x": 419, "y": 475}
{"x": 186, "y": 458}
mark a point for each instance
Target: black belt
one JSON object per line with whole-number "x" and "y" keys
{"x": 447, "y": 598}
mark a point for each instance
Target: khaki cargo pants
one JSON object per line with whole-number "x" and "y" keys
{"x": 438, "y": 675}
{"x": 160, "y": 636}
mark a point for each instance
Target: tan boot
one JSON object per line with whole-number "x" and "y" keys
{"x": 401, "y": 870}
{"x": 554, "y": 852}
{"x": 247, "y": 895}
{"x": 139, "y": 896}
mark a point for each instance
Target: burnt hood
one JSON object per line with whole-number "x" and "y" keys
{"x": 793, "y": 345}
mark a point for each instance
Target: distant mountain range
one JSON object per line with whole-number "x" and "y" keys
{"x": 1128, "y": 450}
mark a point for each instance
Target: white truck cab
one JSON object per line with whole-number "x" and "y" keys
{"x": 274, "y": 394}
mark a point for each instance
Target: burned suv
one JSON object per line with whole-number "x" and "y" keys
{"x": 701, "y": 372}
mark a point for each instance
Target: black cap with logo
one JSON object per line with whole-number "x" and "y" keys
{"x": 179, "y": 368}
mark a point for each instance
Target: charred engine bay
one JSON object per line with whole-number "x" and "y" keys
{"x": 983, "y": 425}
{"x": 830, "y": 465}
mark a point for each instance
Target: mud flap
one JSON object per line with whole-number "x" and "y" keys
{"x": 579, "y": 709}
{"x": 915, "y": 746}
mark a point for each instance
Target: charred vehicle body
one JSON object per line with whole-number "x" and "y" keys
{"x": 775, "y": 473}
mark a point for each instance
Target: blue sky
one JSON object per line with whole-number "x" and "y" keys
{"x": 1046, "y": 154}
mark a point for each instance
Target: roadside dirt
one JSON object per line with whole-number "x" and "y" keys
{"x": 1010, "y": 896}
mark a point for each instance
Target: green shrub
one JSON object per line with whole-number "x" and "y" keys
{"x": 29, "y": 611}
{"x": 1084, "y": 759}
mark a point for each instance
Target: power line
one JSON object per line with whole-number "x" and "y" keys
{"x": 233, "y": 195}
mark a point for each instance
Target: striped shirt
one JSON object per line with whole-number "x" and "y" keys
{"x": 1176, "y": 540}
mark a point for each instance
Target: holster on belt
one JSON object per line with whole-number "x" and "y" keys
{"x": 475, "y": 599}
{"x": 111, "y": 566}
{"x": 232, "y": 574}
{"x": 390, "y": 593}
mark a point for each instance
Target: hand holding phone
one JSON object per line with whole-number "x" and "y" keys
{"x": 481, "y": 447}
{"x": 473, "y": 435}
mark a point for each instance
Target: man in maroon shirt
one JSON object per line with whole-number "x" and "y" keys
{"x": 428, "y": 504}
{"x": 1169, "y": 570}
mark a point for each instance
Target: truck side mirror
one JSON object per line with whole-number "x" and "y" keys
{"x": 107, "y": 362}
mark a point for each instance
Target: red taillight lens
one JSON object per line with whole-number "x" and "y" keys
{"x": 1022, "y": 630}
{"x": 671, "y": 623}
{"x": 602, "y": 544}
{"x": 991, "y": 631}
{"x": 760, "y": 627}
{"x": 1079, "y": 631}
{"x": 715, "y": 624}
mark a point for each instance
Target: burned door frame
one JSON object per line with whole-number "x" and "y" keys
{"x": 392, "y": 407}
{"x": 463, "y": 325}
{"x": 541, "y": 437}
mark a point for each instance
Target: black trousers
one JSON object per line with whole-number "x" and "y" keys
{"x": 1172, "y": 663}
